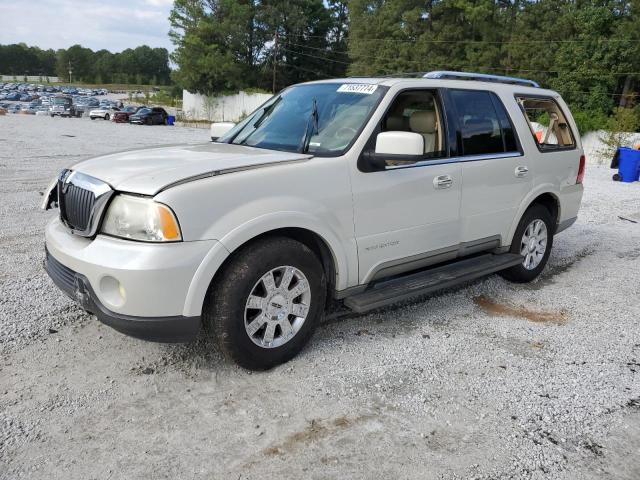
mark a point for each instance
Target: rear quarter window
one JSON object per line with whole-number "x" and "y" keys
{"x": 547, "y": 122}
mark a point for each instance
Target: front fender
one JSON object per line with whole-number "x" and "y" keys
{"x": 344, "y": 254}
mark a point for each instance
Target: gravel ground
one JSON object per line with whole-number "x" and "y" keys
{"x": 490, "y": 381}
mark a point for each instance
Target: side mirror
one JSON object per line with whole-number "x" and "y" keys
{"x": 397, "y": 147}
{"x": 218, "y": 129}
{"x": 400, "y": 143}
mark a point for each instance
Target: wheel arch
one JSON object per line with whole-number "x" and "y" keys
{"x": 545, "y": 197}
{"x": 220, "y": 256}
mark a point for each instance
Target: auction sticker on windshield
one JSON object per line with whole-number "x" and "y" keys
{"x": 357, "y": 88}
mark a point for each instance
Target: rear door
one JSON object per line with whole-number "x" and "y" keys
{"x": 495, "y": 174}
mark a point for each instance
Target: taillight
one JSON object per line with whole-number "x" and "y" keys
{"x": 581, "y": 168}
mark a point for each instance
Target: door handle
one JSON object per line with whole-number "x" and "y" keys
{"x": 521, "y": 171}
{"x": 442, "y": 181}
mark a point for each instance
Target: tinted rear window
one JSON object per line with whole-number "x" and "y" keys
{"x": 484, "y": 125}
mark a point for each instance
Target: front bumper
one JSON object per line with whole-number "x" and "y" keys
{"x": 155, "y": 329}
{"x": 137, "y": 288}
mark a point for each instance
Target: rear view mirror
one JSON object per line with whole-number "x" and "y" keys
{"x": 218, "y": 129}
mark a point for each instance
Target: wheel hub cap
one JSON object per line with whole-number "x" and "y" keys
{"x": 533, "y": 245}
{"x": 277, "y": 307}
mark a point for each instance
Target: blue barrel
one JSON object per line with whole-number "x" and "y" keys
{"x": 629, "y": 164}
{"x": 170, "y": 119}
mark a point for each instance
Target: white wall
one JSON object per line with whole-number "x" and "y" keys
{"x": 228, "y": 108}
{"x": 30, "y": 78}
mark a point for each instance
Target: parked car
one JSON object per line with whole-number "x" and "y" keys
{"x": 103, "y": 112}
{"x": 14, "y": 108}
{"x": 150, "y": 116}
{"x": 62, "y": 105}
{"x": 28, "y": 109}
{"x": 123, "y": 115}
{"x": 358, "y": 191}
{"x": 13, "y": 96}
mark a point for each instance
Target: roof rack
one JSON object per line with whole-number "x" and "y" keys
{"x": 482, "y": 77}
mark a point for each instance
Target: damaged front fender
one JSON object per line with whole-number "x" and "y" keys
{"x": 50, "y": 199}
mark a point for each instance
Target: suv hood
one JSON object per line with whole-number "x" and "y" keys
{"x": 147, "y": 171}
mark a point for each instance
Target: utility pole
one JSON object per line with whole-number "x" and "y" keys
{"x": 275, "y": 59}
{"x": 70, "y": 71}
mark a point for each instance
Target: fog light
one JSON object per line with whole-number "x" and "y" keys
{"x": 113, "y": 292}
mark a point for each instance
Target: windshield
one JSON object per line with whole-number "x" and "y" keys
{"x": 321, "y": 118}
{"x": 61, "y": 101}
{"x": 143, "y": 111}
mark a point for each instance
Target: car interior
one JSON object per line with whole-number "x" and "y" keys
{"x": 547, "y": 122}
{"x": 417, "y": 111}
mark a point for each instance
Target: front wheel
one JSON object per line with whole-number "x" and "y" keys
{"x": 266, "y": 303}
{"x": 106, "y": 117}
{"x": 533, "y": 240}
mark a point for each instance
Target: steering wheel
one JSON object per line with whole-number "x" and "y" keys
{"x": 345, "y": 133}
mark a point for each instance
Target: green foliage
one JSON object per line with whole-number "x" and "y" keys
{"x": 589, "y": 120}
{"x": 228, "y": 45}
{"x": 142, "y": 65}
{"x": 585, "y": 49}
{"x": 619, "y": 130}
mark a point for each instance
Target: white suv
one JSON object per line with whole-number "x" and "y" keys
{"x": 363, "y": 190}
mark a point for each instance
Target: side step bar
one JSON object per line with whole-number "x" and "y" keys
{"x": 429, "y": 281}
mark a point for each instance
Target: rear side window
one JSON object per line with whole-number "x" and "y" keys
{"x": 484, "y": 125}
{"x": 547, "y": 122}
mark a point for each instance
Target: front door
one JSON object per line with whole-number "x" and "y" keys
{"x": 407, "y": 216}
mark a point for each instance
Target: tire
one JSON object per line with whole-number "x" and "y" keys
{"x": 106, "y": 117}
{"x": 228, "y": 316}
{"x": 149, "y": 121}
{"x": 529, "y": 224}
{"x": 92, "y": 118}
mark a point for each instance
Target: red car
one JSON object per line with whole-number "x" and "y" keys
{"x": 123, "y": 115}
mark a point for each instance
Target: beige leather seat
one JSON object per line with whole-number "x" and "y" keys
{"x": 424, "y": 123}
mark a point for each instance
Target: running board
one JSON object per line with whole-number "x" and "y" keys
{"x": 428, "y": 281}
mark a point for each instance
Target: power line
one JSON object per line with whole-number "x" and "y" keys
{"x": 496, "y": 42}
{"x": 485, "y": 68}
{"x": 592, "y": 73}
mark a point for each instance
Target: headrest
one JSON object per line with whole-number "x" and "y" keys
{"x": 395, "y": 123}
{"x": 423, "y": 122}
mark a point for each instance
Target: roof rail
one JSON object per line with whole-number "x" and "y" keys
{"x": 482, "y": 77}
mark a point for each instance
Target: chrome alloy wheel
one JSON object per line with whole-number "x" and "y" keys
{"x": 277, "y": 307}
{"x": 533, "y": 244}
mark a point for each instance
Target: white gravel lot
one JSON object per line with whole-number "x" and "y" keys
{"x": 490, "y": 381}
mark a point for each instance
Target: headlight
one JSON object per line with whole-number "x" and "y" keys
{"x": 141, "y": 219}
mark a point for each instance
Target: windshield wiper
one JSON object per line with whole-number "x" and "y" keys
{"x": 309, "y": 132}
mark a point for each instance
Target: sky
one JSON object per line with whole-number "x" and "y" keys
{"x": 110, "y": 24}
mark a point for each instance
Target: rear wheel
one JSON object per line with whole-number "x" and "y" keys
{"x": 149, "y": 121}
{"x": 106, "y": 117}
{"x": 533, "y": 240}
{"x": 266, "y": 303}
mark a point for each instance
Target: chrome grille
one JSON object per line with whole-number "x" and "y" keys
{"x": 82, "y": 200}
{"x": 76, "y": 205}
